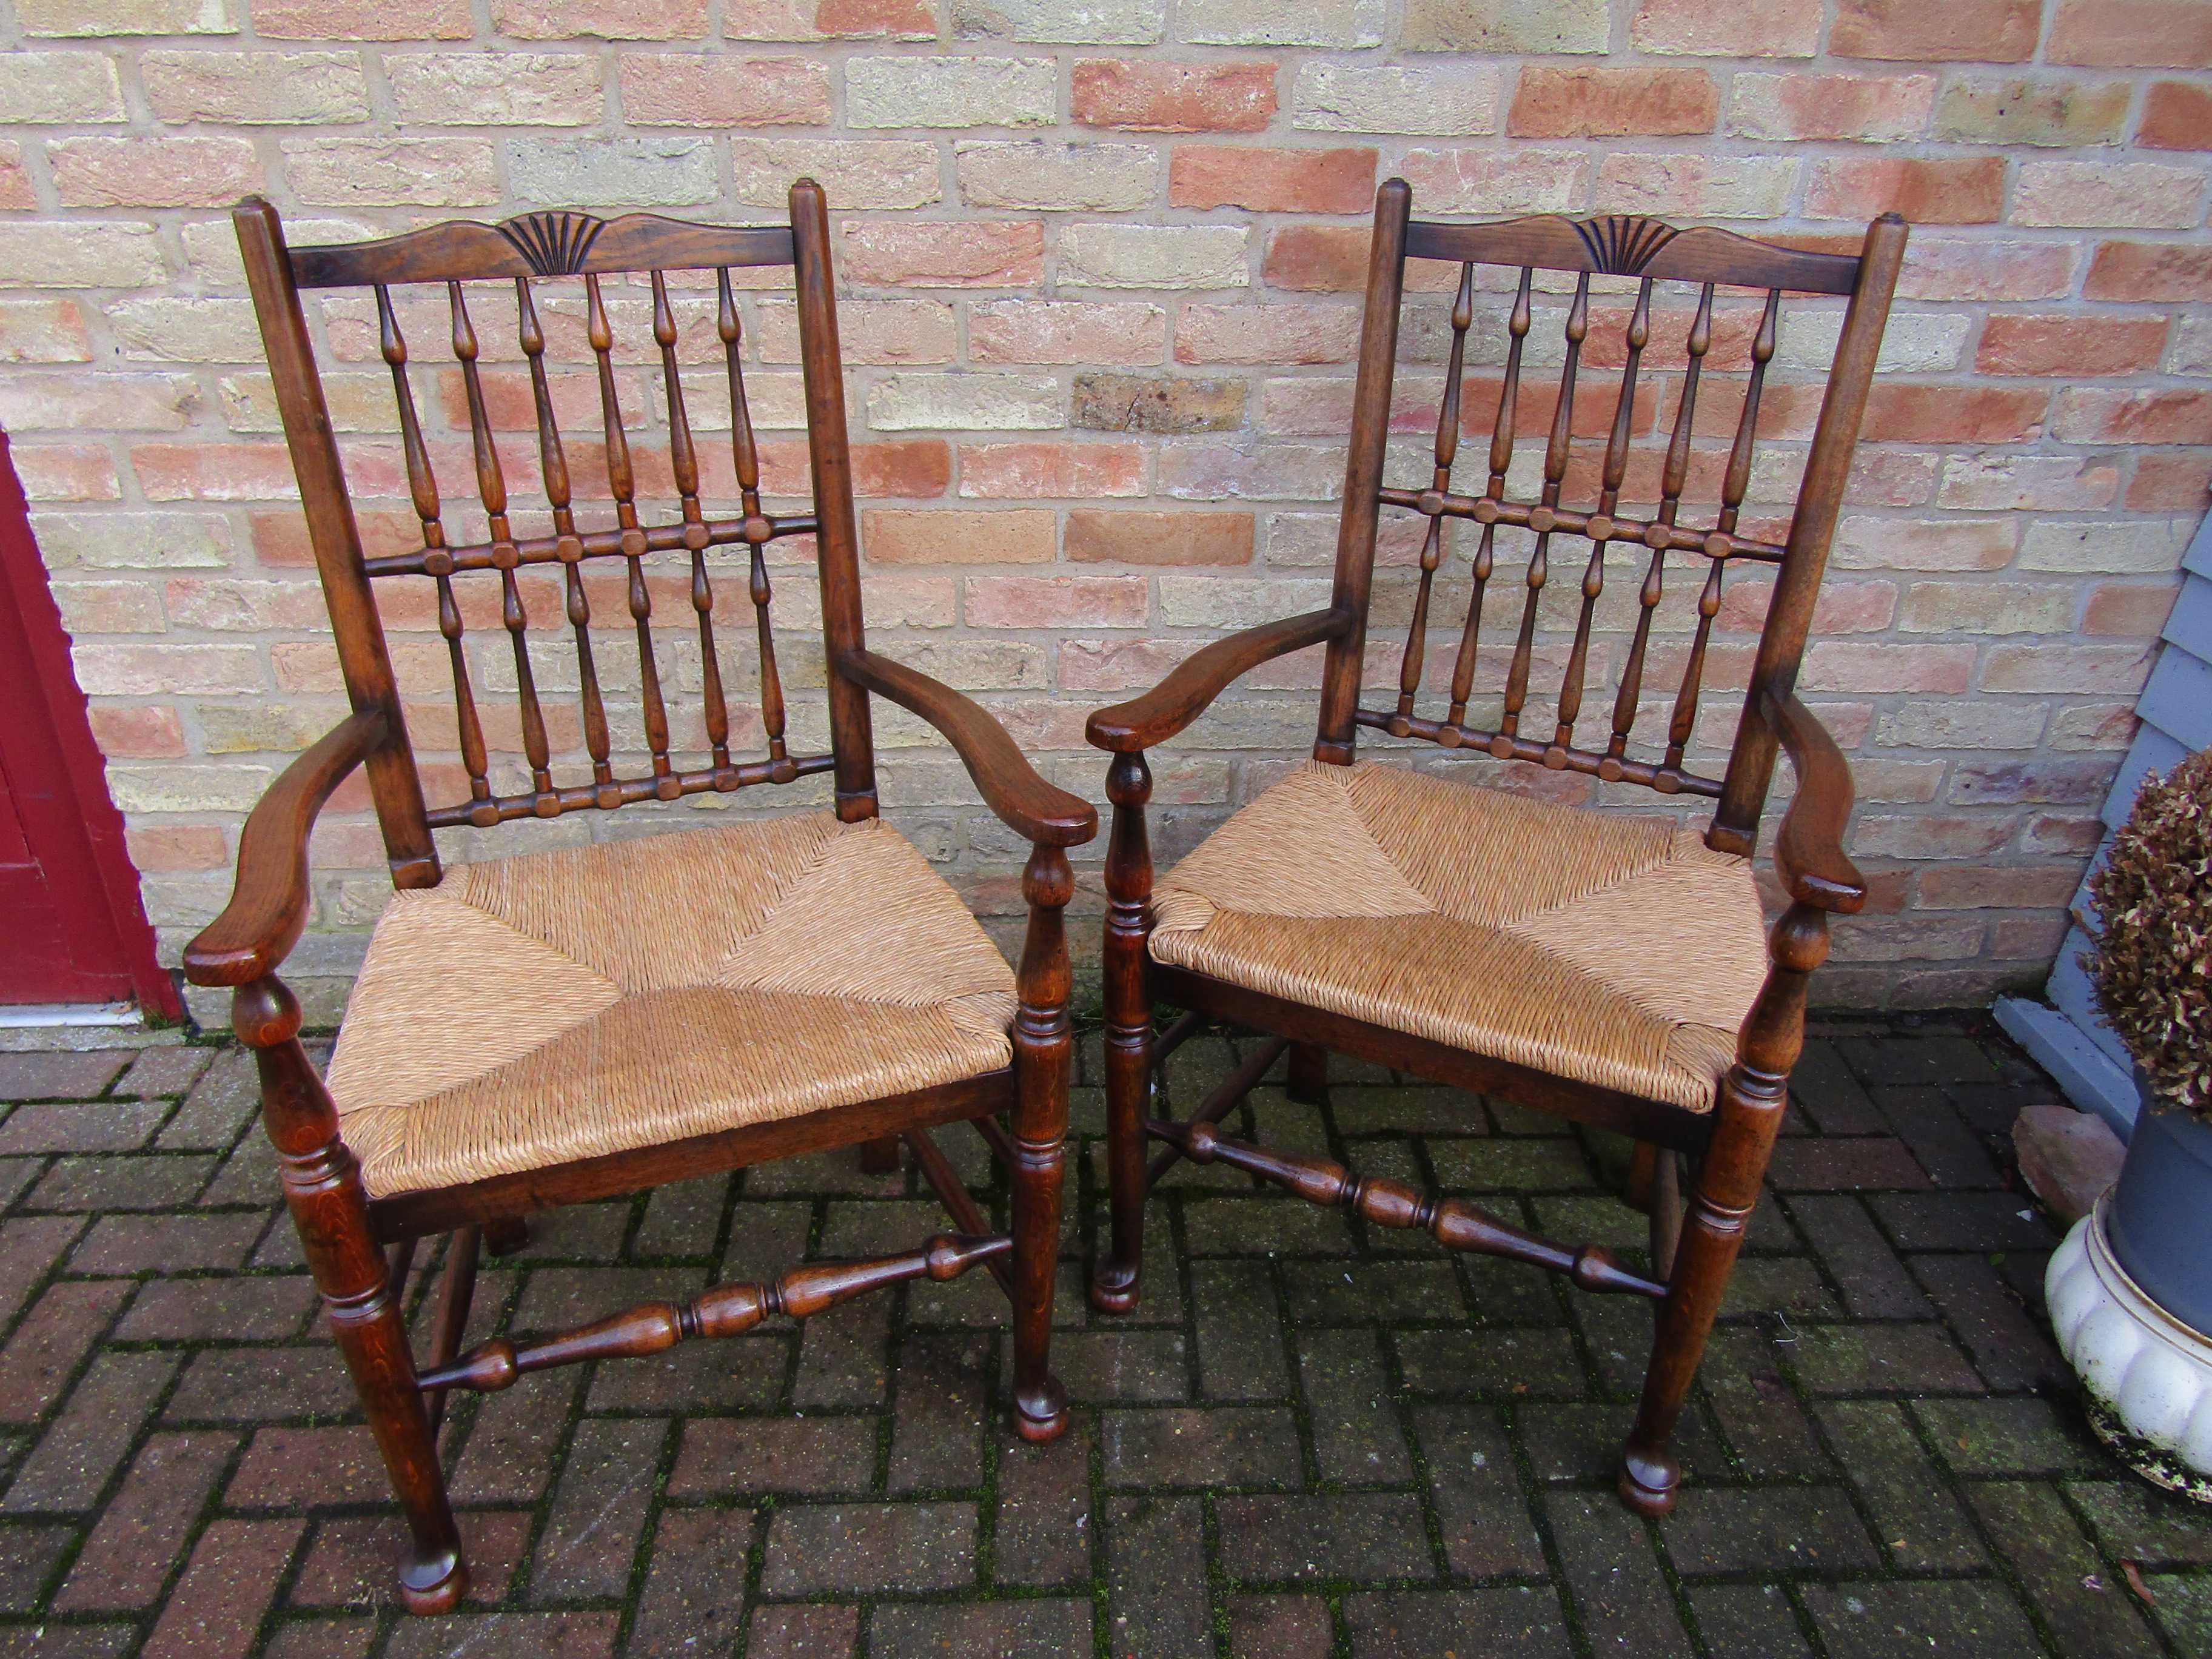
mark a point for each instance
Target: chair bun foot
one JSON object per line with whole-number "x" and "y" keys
{"x": 1648, "y": 1484}
{"x": 1042, "y": 1415}
{"x": 435, "y": 1584}
{"x": 1115, "y": 1288}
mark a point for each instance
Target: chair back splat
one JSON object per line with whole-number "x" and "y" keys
{"x": 1570, "y": 505}
{"x": 554, "y": 268}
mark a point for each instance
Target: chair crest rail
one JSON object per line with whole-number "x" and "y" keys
{"x": 1631, "y": 244}
{"x": 556, "y": 244}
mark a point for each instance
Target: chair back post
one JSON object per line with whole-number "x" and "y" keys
{"x": 1362, "y": 473}
{"x": 362, "y": 659}
{"x": 1798, "y": 583}
{"x": 837, "y": 541}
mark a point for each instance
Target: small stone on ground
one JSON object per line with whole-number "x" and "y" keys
{"x": 2067, "y": 1157}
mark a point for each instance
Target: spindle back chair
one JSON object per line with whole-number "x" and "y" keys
{"x": 996, "y": 1043}
{"x": 1706, "y": 1117}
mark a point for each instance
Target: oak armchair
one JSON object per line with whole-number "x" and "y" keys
{"x": 1602, "y": 967}
{"x": 588, "y": 1021}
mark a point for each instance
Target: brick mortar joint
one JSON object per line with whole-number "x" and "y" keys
{"x": 1729, "y": 77}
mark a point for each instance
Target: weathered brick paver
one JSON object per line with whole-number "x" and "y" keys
{"x": 1313, "y": 1442}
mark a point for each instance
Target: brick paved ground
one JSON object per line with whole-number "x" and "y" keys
{"x": 1309, "y": 1443}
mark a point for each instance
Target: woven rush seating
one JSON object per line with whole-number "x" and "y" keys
{"x": 531, "y": 1011}
{"x": 1617, "y": 951}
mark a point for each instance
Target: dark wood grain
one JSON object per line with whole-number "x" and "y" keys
{"x": 1747, "y": 1115}
{"x": 1453, "y": 1222}
{"x": 838, "y": 536}
{"x": 457, "y": 1291}
{"x": 329, "y": 1210}
{"x": 672, "y": 785}
{"x": 1625, "y": 245}
{"x": 1517, "y": 323}
{"x": 269, "y": 901}
{"x": 1819, "y": 502}
{"x": 1489, "y": 510}
{"x": 1225, "y": 1098}
{"x": 1447, "y": 454}
{"x": 467, "y": 250}
{"x": 1010, "y": 786}
{"x": 1579, "y": 1103}
{"x": 1044, "y": 1049}
{"x": 1345, "y": 665}
{"x": 1130, "y": 1049}
{"x": 652, "y": 1328}
{"x": 1668, "y": 779}
{"x": 588, "y": 544}
{"x": 1666, "y": 1210}
{"x": 336, "y": 538}
{"x": 586, "y": 1181}
{"x": 937, "y": 1172}
{"x": 1195, "y": 681}
{"x": 1808, "y": 852}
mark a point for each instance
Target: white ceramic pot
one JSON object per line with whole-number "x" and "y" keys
{"x": 2148, "y": 1377}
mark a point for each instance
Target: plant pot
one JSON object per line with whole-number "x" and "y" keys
{"x": 2131, "y": 1296}
{"x": 2156, "y": 1221}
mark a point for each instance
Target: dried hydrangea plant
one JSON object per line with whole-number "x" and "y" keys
{"x": 2151, "y": 961}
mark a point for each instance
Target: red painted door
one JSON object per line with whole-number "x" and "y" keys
{"x": 71, "y": 927}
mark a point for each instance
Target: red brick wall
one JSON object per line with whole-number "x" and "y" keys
{"x": 1100, "y": 326}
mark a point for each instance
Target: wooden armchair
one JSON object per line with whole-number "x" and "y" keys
{"x": 571, "y": 1024}
{"x": 1605, "y": 968}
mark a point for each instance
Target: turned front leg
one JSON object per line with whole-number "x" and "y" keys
{"x": 1748, "y": 1114}
{"x": 329, "y": 1207}
{"x": 1042, "y": 1050}
{"x": 1115, "y": 1279}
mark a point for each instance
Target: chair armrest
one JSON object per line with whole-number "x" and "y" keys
{"x": 268, "y": 903}
{"x": 1010, "y": 787}
{"x": 1193, "y": 684}
{"x": 1808, "y": 854}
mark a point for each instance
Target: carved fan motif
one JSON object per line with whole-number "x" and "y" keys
{"x": 1622, "y": 243}
{"x": 554, "y": 243}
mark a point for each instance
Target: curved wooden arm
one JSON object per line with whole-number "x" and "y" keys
{"x": 1193, "y": 684}
{"x": 1808, "y": 854}
{"x": 1010, "y": 787}
{"x": 268, "y": 903}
